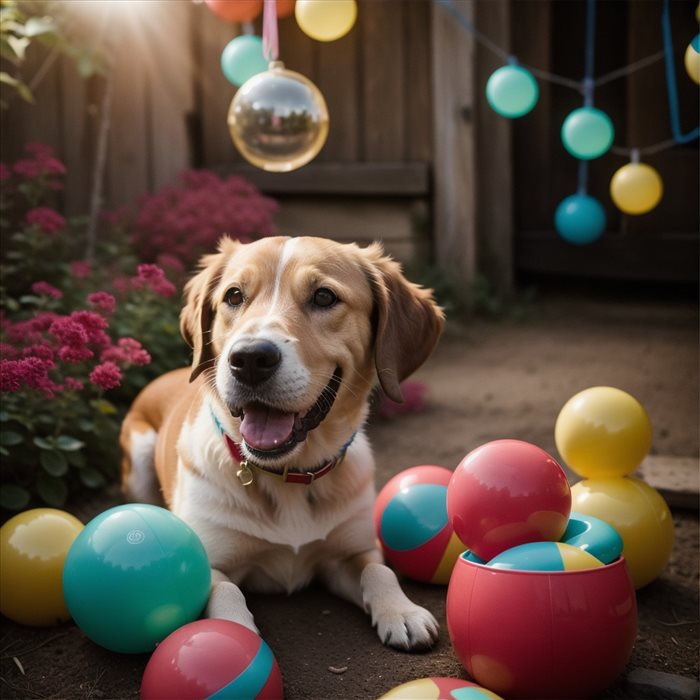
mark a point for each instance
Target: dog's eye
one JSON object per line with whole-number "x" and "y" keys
{"x": 324, "y": 298}
{"x": 234, "y": 296}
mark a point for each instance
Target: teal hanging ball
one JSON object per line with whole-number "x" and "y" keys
{"x": 133, "y": 575}
{"x": 580, "y": 219}
{"x": 587, "y": 133}
{"x": 512, "y": 91}
{"x": 242, "y": 58}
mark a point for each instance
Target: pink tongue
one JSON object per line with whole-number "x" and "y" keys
{"x": 265, "y": 428}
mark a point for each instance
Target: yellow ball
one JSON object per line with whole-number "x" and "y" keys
{"x": 602, "y": 432}
{"x": 638, "y": 513}
{"x": 636, "y": 188}
{"x": 692, "y": 62}
{"x": 278, "y": 119}
{"x": 33, "y": 548}
{"x": 325, "y": 20}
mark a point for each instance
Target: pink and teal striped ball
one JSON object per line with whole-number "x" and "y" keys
{"x": 212, "y": 659}
{"x": 410, "y": 518}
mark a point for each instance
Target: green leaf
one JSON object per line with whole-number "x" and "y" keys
{"x": 91, "y": 478}
{"x": 76, "y": 459}
{"x": 13, "y": 497}
{"x": 24, "y": 92}
{"x": 105, "y": 407}
{"x": 53, "y": 491}
{"x": 10, "y": 437}
{"x": 68, "y": 443}
{"x": 54, "y": 462}
{"x": 43, "y": 443}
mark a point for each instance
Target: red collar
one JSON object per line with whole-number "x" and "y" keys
{"x": 247, "y": 467}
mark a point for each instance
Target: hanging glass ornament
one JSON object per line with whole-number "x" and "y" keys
{"x": 278, "y": 119}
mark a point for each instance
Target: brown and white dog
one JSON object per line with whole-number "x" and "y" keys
{"x": 260, "y": 446}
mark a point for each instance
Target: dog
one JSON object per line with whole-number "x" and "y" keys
{"x": 260, "y": 446}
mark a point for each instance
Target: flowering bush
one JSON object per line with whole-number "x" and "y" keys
{"x": 187, "y": 219}
{"x": 78, "y": 339}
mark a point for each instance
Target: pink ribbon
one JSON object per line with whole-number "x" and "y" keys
{"x": 269, "y": 32}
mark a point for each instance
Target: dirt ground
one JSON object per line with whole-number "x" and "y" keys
{"x": 487, "y": 380}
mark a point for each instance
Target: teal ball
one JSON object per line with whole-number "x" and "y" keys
{"x": 242, "y": 58}
{"x": 512, "y": 91}
{"x": 133, "y": 575}
{"x": 587, "y": 133}
{"x": 580, "y": 219}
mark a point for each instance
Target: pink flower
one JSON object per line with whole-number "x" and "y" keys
{"x": 27, "y": 168}
{"x": 31, "y": 372}
{"x": 46, "y": 218}
{"x": 154, "y": 278}
{"x": 80, "y": 269}
{"x": 94, "y": 325}
{"x": 103, "y": 302}
{"x": 44, "y": 288}
{"x": 106, "y": 376}
{"x": 7, "y": 351}
{"x": 128, "y": 351}
{"x": 73, "y": 338}
{"x": 170, "y": 262}
{"x": 73, "y": 384}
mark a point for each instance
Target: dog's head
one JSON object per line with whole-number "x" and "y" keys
{"x": 292, "y": 333}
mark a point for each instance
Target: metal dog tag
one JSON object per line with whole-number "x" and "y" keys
{"x": 245, "y": 474}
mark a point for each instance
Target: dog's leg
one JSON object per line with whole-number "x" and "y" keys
{"x": 139, "y": 480}
{"x": 227, "y": 601}
{"x": 365, "y": 581}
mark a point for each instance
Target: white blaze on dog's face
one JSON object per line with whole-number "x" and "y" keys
{"x": 286, "y": 328}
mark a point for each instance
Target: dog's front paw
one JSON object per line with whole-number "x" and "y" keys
{"x": 400, "y": 623}
{"x": 227, "y": 601}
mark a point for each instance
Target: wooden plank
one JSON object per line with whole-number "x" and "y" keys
{"x": 417, "y": 82}
{"x": 213, "y": 92}
{"x": 677, "y": 479}
{"x": 341, "y": 95}
{"x": 378, "y": 179}
{"x": 383, "y": 106}
{"x": 78, "y": 136}
{"x": 494, "y": 158}
{"x": 671, "y": 258}
{"x": 453, "y": 136}
{"x": 171, "y": 89}
{"x": 129, "y": 157}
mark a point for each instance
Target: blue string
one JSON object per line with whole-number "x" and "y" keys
{"x": 672, "y": 88}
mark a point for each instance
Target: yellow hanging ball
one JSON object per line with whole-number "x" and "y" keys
{"x": 278, "y": 119}
{"x": 33, "y": 548}
{"x": 692, "y": 59}
{"x": 638, "y": 513}
{"x": 325, "y": 20}
{"x": 603, "y": 432}
{"x": 636, "y": 188}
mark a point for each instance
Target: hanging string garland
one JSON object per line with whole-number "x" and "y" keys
{"x": 588, "y": 132}
{"x": 326, "y": 20}
{"x": 278, "y": 119}
{"x": 242, "y": 58}
{"x": 636, "y": 188}
{"x": 512, "y": 91}
{"x": 235, "y": 10}
{"x": 692, "y": 59}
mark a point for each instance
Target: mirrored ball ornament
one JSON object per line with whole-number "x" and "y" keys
{"x": 278, "y": 120}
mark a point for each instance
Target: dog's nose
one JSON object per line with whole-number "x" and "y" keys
{"x": 252, "y": 363}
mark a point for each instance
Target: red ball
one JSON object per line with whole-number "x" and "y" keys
{"x": 506, "y": 493}
{"x": 236, "y": 10}
{"x": 410, "y": 519}
{"x": 211, "y": 656}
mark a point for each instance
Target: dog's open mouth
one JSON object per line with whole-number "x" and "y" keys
{"x": 269, "y": 432}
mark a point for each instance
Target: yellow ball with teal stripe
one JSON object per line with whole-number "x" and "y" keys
{"x": 410, "y": 518}
{"x": 545, "y": 556}
{"x": 439, "y": 688}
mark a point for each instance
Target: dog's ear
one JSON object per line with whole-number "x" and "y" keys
{"x": 407, "y": 321}
{"x": 197, "y": 315}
